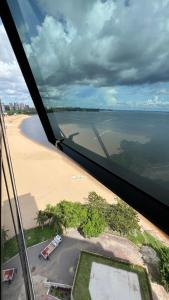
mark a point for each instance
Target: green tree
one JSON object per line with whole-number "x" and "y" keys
{"x": 94, "y": 225}
{"x": 98, "y": 202}
{"x": 41, "y": 218}
{"x": 54, "y": 216}
{"x": 52, "y": 212}
{"x": 123, "y": 218}
{"x": 163, "y": 253}
{"x": 71, "y": 214}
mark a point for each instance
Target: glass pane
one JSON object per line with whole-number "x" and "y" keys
{"x": 12, "y": 274}
{"x": 102, "y": 71}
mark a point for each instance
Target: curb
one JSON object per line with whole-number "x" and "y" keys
{"x": 27, "y": 250}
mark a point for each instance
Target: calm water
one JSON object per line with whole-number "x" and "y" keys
{"x": 134, "y": 145}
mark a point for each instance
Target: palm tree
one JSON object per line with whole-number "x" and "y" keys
{"x": 41, "y": 218}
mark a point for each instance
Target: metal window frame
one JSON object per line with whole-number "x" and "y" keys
{"x": 15, "y": 210}
{"x": 154, "y": 210}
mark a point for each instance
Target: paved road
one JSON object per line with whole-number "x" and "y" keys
{"x": 62, "y": 264}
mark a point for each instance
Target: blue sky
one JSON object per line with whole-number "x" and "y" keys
{"x": 103, "y": 54}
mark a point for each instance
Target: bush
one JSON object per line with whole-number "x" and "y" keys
{"x": 71, "y": 214}
{"x": 94, "y": 225}
{"x": 163, "y": 253}
{"x": 98, "y": 202}
{"x": 123, "y": 218}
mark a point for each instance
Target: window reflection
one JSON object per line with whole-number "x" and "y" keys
{"x": 102, "y": 72}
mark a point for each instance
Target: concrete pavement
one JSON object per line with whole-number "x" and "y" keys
{"x": 62, "y": 264}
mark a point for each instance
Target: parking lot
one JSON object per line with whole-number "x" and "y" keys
{"x": 63, "y": 261}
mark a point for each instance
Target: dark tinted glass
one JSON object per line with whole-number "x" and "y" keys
{"x": 102, "y": 72}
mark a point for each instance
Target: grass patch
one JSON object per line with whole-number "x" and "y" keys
{"x": 145, "y": 238}
{"x": 81, "y": 284}
{"x": 32, "y": 237}
{"x": 137, "y": 238}
{"x": 37, "y": 235}
{"x": 152, "y": 241}
{"x": 61, "y": 293}
{"x": 162, "y": 251}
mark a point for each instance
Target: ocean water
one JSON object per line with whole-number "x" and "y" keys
{"x": 131, "y": 144}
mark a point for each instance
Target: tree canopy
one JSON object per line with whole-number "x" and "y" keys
{"x": 71, "y": 214}
{"x": 92, "y": 218}
{"x": 123, "y": 218}
{"x": 163, "y": 253}
{"x": 94, "y": 225}
{"x": 98, "y": 202}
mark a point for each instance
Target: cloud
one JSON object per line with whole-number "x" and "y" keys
{"x": 102, "y": 42}
{"x": 93, "y": 53}
{"x": 164, "y": 91}
{"x": 157, "y": 102}
{"x": 12, "y": 85}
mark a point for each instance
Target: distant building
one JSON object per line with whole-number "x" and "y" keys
{"x": 3, "y": 107}
{"x": 16, "y": 106}
{"x": 11, "y": 106}
{"x": 22, "y": 106}
{"x": 27, "y": 107}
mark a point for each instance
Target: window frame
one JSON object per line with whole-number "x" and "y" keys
{"x": 137, "y": 198}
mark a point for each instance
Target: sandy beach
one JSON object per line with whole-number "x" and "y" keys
{"x": 45, "y": 175}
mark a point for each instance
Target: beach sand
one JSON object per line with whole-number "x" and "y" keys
{"x": 47, "y": 176}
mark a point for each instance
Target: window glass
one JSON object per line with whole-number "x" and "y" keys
{"x": 102, "y": 69}
{"x": 12, "y": 285}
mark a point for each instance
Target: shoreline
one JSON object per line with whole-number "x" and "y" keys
{"x": 46, "y": 175}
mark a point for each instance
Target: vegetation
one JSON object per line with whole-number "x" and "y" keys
{"x": 61, "y": 293}
{"x": 162, "y": 251}
{"x": 123, "y": 218}
{"x": 98, "y": 202}
{"x": 91, "y": 219}
{"x": 94, "y": 224}
{"x": 41, "y": 218}
{"x": 163, "y": 254}
{"x": 28, "y": 111}
{"x": 81, "y": 291}
{"x": 32, "y": 236}
{"x": 62, "y": 109}
{"x": 71, "y": 214}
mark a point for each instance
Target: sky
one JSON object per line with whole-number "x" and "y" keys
{"x": 92, "y": 53}
{"x": 12, "y": 85}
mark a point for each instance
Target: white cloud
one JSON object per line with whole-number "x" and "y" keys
{"x": 12, "y": 85}
{"x": 157, "y": 102}
{"x": 164, "y": 91}
{"x": 110, "y": 99}
{"x": 102, "y": 42}
{"x": 93, "y": 42}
